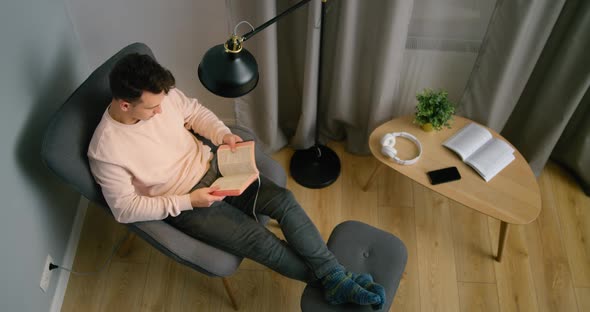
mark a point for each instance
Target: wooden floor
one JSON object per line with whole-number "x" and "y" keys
{"x": 546, "y": 264}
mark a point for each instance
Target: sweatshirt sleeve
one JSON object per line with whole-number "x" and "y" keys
{"x": 127, "y": 206}
{"x": 199, "y": 118}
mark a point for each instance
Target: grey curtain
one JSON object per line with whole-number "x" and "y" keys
{"x": 364, "y": 42}
{"x": 531, "y": 81}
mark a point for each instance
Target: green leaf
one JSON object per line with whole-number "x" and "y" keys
{"x": 434, "y": 107}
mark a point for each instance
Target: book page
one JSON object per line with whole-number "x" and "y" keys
{"x": 491, "y": 158}
{"x": 468, "y": 140}
{"x": 233, "y": 182}
{"x": 240, "y": 162}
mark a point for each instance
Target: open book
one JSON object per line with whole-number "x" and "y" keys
{"x": 479, "y": 149}
{"x": 238, "y": 169}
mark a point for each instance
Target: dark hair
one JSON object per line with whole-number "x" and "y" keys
{"x": 135, "y": 73}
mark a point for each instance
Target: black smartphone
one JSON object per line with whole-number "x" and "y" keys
{"x": 443, "y": 175}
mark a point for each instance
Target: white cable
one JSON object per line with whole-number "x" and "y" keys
{"x": 255, "y": 199}
{"x": 240, "y": 23}
{"x": 103, "y": 266}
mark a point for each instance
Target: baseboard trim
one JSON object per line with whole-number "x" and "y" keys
{"x": 69, "y": 256}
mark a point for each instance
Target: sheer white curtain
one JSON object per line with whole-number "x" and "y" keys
{"x": 499, "y": 60}
{"x": 444, "y": 38}
{"x": 377, "y": 54}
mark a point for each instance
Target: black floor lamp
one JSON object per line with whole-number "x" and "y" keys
{"x": 229, "y": 70}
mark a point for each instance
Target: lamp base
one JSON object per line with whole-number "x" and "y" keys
{"x": 315, "y": 167}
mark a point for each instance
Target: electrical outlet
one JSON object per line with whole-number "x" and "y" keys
{"x": 46, "y": 275}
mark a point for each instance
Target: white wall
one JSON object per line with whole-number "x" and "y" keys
{"x": 40, "y": 65}
{"x": 179, "y": 32}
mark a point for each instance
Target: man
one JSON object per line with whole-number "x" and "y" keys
{"x": 150, "y": 167}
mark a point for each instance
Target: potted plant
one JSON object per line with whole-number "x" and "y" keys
{"x": 434, "y": 110}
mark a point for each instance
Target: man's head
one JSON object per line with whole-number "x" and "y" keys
{"x": 138, "y": 84}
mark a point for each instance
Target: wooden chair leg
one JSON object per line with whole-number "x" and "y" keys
{"x": 126, "y": 245}
{"x": 230, "y": 293}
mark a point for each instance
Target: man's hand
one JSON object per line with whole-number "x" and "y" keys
{"x": 231, "y": 140}
{"x": 202, "y": 197}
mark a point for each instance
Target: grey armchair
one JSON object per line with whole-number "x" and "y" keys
{"x": 64, "y": 153}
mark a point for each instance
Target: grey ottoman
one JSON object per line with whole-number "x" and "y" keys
{"x": 362, "y": 248}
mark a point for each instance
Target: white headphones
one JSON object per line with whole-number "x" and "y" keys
{"x": 388, "y": 143}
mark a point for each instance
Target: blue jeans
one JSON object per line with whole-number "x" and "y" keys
{"x": 229, "y": 225}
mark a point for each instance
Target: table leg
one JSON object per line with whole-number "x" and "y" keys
{"x": 502, "y": 241}
{"x": 366, "y": 187}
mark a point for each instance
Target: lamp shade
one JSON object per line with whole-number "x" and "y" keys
{"x": 228, "y": 74}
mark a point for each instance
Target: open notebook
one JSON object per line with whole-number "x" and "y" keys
{"x": 479, "y": 149}
{"x": 238, "y": 169}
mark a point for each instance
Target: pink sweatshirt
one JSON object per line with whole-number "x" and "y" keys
{"x": 147, "y": 169}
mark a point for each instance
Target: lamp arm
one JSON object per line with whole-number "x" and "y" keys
{"x": 273, "y": 20}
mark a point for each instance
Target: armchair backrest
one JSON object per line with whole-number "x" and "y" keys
{"x": 67, "y": 138}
